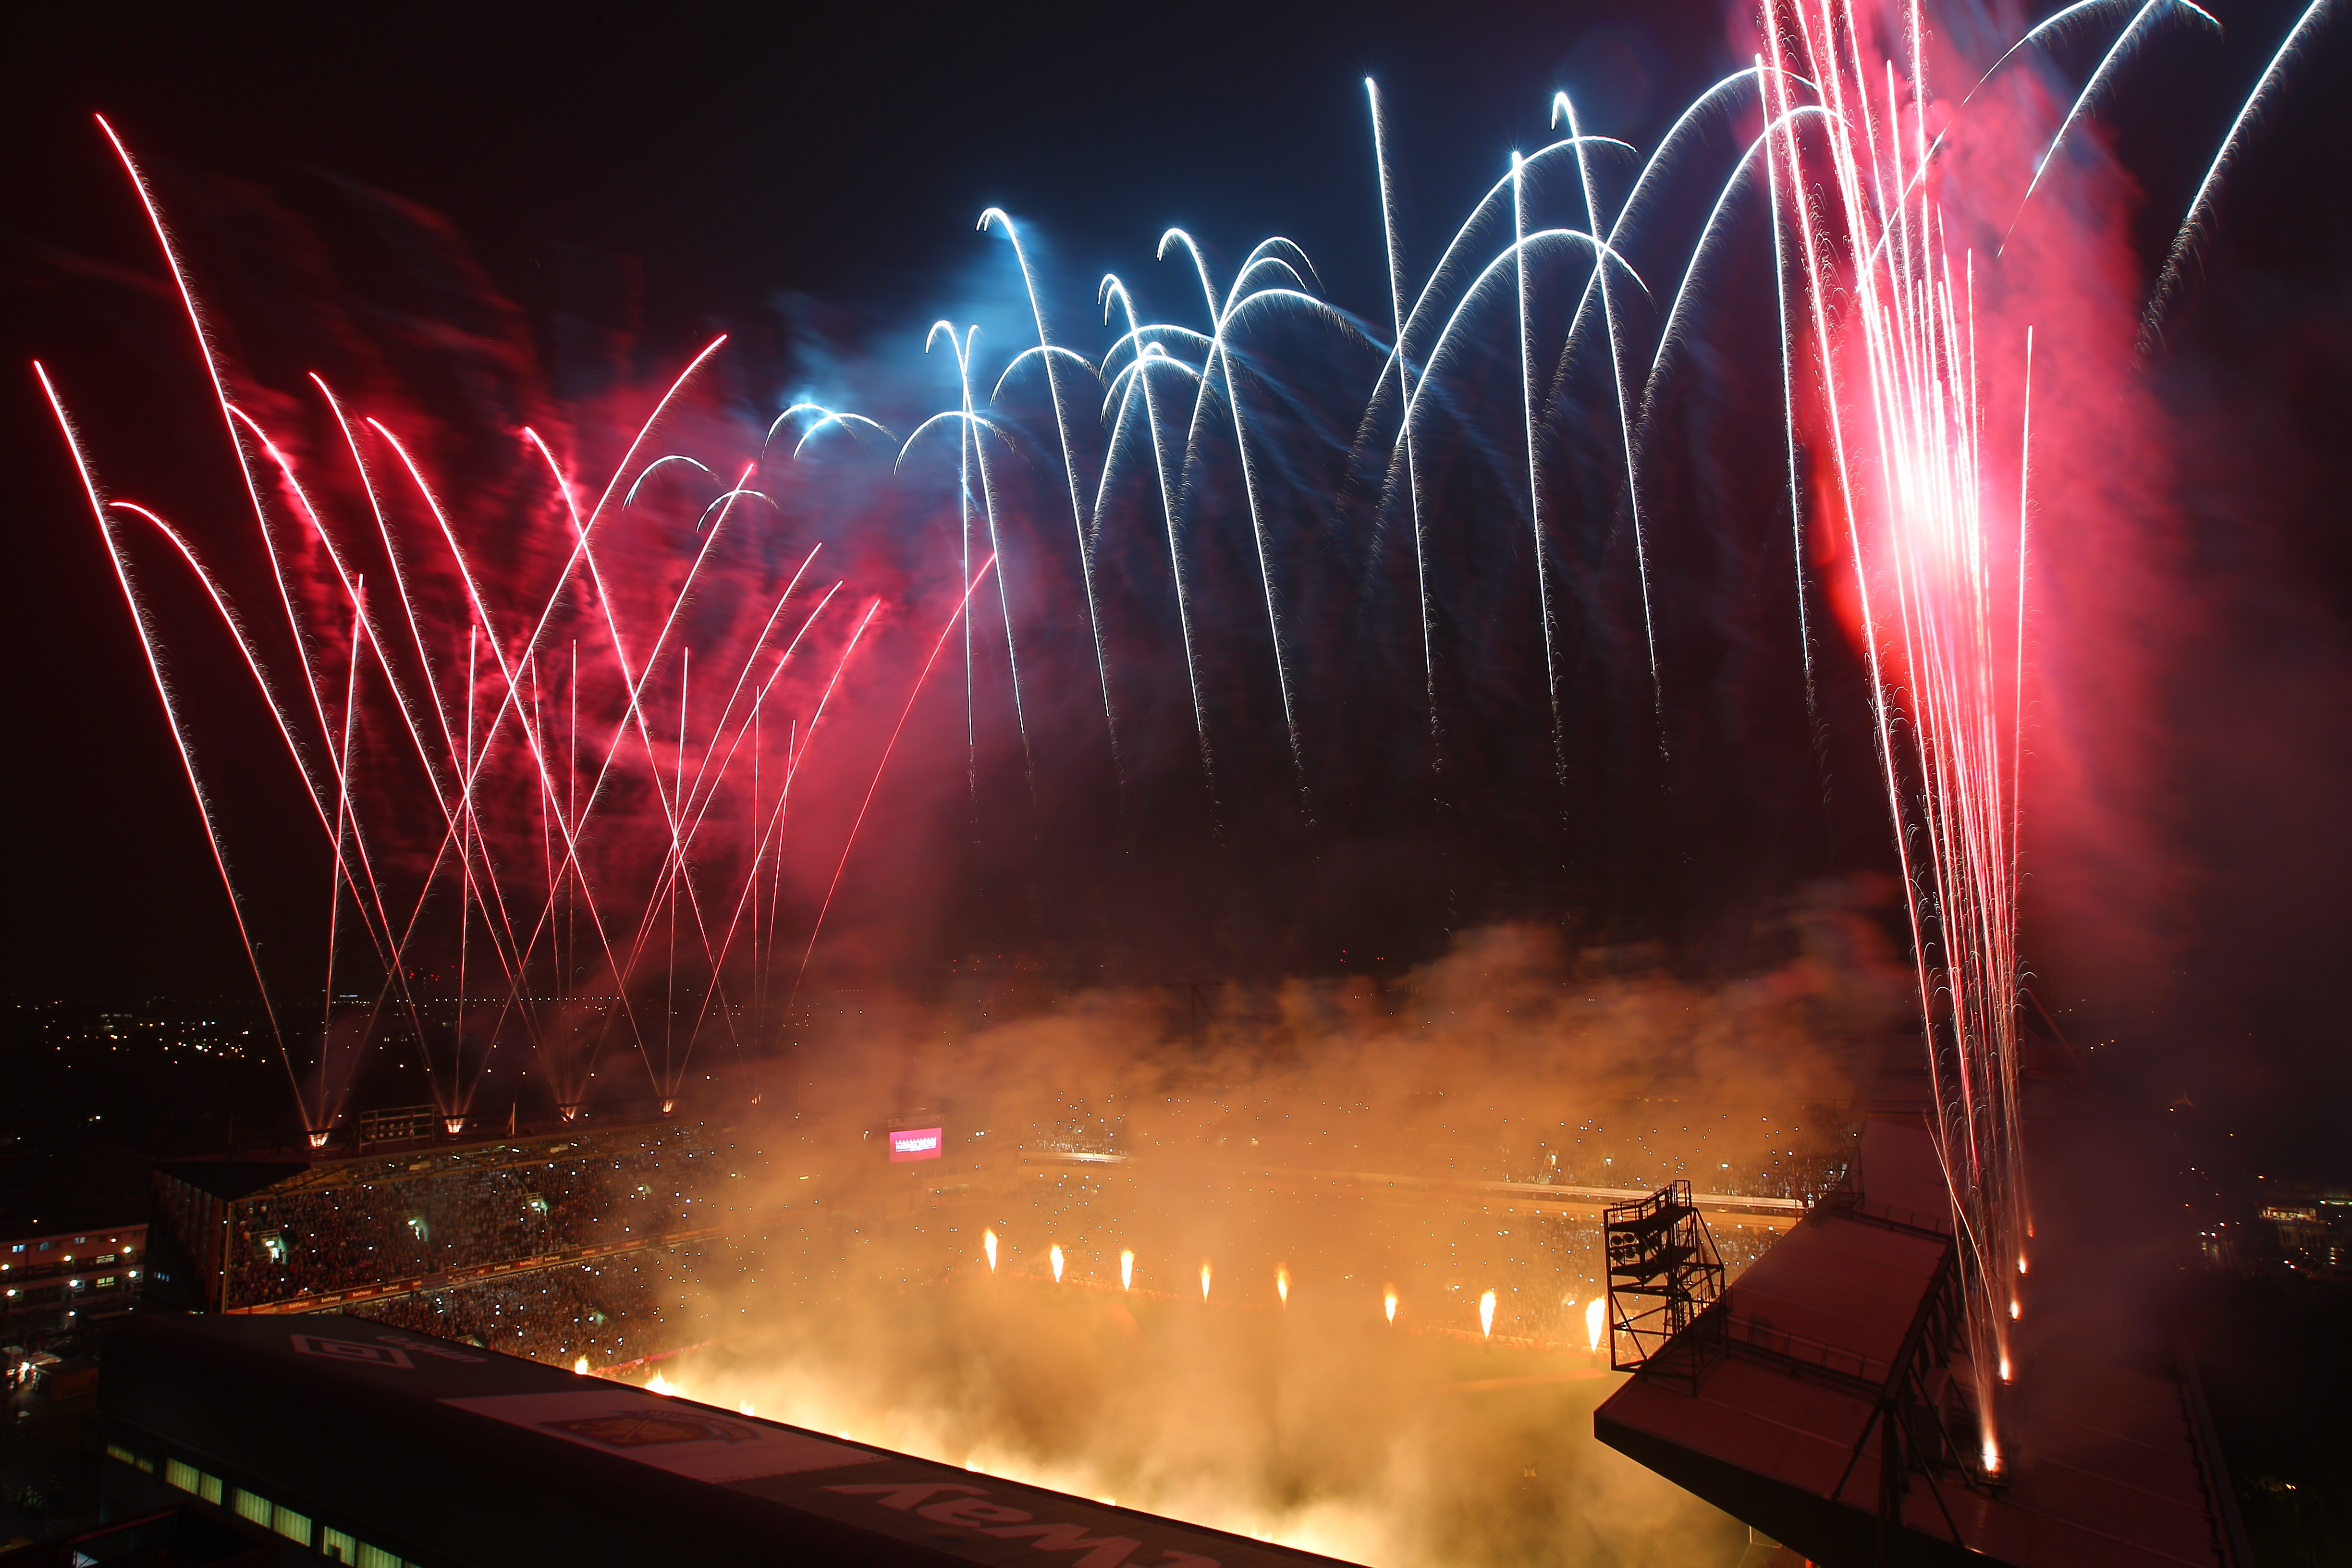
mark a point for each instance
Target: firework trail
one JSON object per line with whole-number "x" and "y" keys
{"x": 1218, "y": 365}
{"x": 2201, "y": 207}
{"x": 897, "y": 730}
{"x": 1939, "y": 576}
{"x": 1128, "y": 385}
{"x": 1404, "y": 387}
{"x": 147, "y": 644}
{"x": 1049, "y": 355}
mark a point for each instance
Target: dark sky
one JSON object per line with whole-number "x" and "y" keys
{"x": 843, "y": 151}
{"x": 838, "y": 151}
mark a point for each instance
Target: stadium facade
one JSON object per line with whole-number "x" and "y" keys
{"x": 49, "y": 1278}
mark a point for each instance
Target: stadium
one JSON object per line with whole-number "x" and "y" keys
{"x": 1004, "y": 1278}
{"x": 1620, "y": 838}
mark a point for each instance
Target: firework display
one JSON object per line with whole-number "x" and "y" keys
{"x": 600, "y": 724}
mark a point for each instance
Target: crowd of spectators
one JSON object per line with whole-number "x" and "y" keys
{"x": 610, "y": 1310}
{"x": 495, "y": 1205}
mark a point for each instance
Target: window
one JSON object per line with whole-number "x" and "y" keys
{"x": 104, "y": 1258}
{"x": 377, "y": 1557}
{"x": 208, "y": 1487}
{"x": 256, "y": 1509}
{"x": 291, "y": 1525}
{"x": 117, "y": 1451}
{"x": 337, "y": 1547}
{"x": 107, "y": 1283}
{"x": 181, "y": 1474}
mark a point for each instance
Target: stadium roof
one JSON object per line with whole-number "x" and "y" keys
{"x": 231, "y": 1179}
{"x": 442, "y": 1455}
{"x": 2106, "y": 1463}
{"x": 234, "y": 1179}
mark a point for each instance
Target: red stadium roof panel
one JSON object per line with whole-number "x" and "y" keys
{"x": 2105, "y": 1465}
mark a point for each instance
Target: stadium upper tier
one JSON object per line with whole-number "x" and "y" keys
{"x": 258, "y": 1236}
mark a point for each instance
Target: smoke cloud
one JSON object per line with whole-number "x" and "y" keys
{"x": 1234, "y": 1132}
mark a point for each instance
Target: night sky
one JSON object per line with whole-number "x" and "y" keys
{"x": 761, "y": 171}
